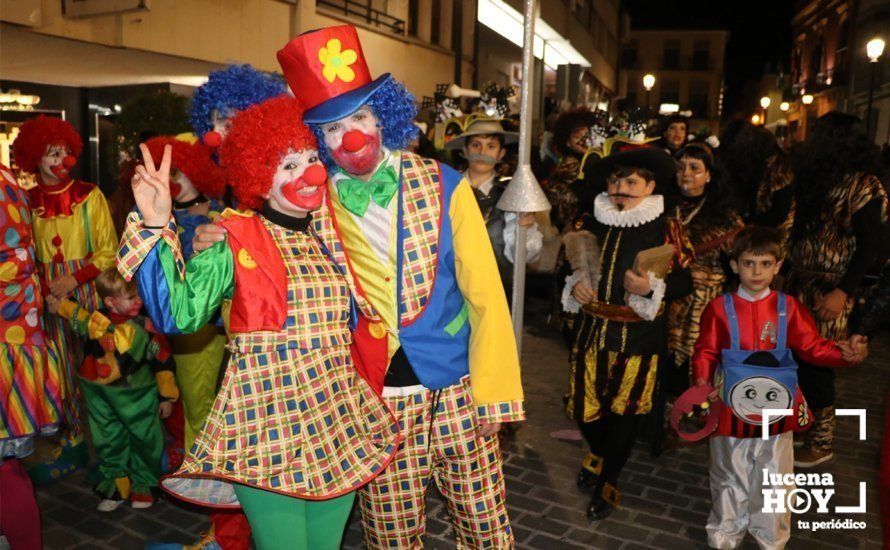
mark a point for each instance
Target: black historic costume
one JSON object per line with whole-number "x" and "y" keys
{"x": 619, "y": 337}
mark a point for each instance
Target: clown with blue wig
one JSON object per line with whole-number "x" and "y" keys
{"x": 438, "y": 344}
{"x": 227, "y": 92}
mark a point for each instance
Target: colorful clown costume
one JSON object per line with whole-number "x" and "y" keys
{"x": 74, "y": 235}
{"x": 409, "y": 233}
{"x": 122, "y": 387}
{"x": 293, "y": 415}
{"x": 30, "y": 371}
{"x": 451, "y": 357}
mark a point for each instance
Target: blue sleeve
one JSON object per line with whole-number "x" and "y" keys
{"x": 155, "y": 296}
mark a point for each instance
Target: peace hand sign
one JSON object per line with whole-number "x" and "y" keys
{"x": 151, "y": 188}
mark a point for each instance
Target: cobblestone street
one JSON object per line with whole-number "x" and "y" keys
{"x": 665, "y": 500}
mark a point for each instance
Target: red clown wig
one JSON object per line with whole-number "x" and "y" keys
{"x": 36, "y": 134}
{"x": 192, "y": 159}
{"x": 259, "y": 137}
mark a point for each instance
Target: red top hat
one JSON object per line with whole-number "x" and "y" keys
{"x": 326, "y": 70}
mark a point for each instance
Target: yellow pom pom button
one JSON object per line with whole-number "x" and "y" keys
{"x": 245, "y": 259}
{"x": 377, "y": 330}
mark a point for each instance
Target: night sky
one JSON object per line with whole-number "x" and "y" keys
{"x": 759, "y": 37}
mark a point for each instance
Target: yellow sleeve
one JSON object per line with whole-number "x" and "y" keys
{"x": 103, "y": 237}
{"x": 494, "y": 363}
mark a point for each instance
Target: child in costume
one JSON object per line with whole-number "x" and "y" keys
{"x": 126, "y": 367}
{"x": 748, "y": 337}
{"x": 438, "y": 343}
{"x": 483, "y": 145}
{"x": 295, "y": 430}
{"x": 619, "y": 334}
{"x": 75, "y": 241}
{"x": 30, "y": 372}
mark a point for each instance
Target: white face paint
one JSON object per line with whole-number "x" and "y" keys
{"x": 222, "y": 120}
{"x": 749, "y": 397}
{"x": 291, "y": 193}
{"x": 51, "y": 166}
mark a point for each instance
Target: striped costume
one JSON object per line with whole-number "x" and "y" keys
{"x": 619, "y": 337}
{"x": 30, "y": 371}
{"x": 73, "y": 235}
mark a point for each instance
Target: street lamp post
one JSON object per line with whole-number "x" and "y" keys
{"x": 764, "y": 103}
{"x": 873, "y": 49}
{"x": 648, "y": 83}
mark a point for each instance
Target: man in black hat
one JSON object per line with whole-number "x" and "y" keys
{"x": 620, "y": 329}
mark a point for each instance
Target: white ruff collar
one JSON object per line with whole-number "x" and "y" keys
{"x": 606, "y": 213}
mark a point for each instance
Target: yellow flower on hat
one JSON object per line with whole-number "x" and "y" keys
{"x": 336, "y": 63}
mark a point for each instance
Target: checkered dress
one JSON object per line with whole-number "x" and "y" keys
{"x": 292, "y": 416}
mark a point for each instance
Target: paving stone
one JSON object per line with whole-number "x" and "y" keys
{"x": 665, "y": 500}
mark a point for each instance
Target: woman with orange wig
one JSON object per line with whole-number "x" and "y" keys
{"x": 294, "y": 430}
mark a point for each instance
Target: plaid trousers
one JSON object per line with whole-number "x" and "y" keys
{"x": 440, "y": 443}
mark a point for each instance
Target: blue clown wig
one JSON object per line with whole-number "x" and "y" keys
{"x": 394, "y": 107}
{"x": 235, "y": 87}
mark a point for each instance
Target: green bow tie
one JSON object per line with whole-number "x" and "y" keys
{"x": 355, "y": 195}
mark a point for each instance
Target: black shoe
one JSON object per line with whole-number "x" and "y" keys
{"x": 589, "y": 472}
{"x": 586, "y": 480}
{"x": 604, "y": 501}
{"x": 598, "y": 509}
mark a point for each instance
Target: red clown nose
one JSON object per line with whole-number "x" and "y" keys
{"x": 354, "y": 140}
{"x": 315, "y": 175}
{"x": 69, "y": 162}
{"x": 212, "y": 139}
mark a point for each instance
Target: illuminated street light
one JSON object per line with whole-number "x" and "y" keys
{"x": 648, "y": 83}
{"x": 784, "y": 106}
{"x": 764, "y": 102}
{"x": 873, "y": 50}
{"x": 807, "y": 99}
{"x": 755, "y": 119}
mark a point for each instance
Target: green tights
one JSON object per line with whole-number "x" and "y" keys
{"x": 280, "y": 521}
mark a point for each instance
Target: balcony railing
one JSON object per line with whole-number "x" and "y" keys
{"x": 364, "y": 12}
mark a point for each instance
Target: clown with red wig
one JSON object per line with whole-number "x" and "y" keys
{"x": 295, "y": 429}
{"x": 74, "y": 239}
{"x": 194, "y": 178}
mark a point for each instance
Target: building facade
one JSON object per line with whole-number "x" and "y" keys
{"x": 872, "y": 21}
{"x": 577, "y": 49}
{"x": 83, "y": 45}
{"x": 688, "y": 70}
{"x": 821, "y": 62}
